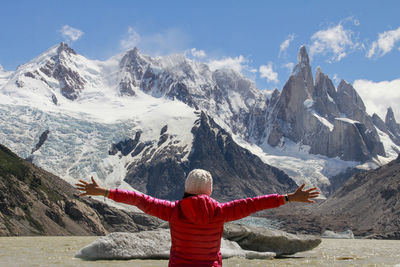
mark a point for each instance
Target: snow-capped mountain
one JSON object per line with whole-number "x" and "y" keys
{"x": 133, "y": 121}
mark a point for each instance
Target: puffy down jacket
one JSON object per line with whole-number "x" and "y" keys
{"x": 196, "y": 222}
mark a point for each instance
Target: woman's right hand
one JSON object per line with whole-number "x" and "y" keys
{"x": 91, "y": 189}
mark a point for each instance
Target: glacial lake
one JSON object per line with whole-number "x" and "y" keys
{"x": 60, "y": 250}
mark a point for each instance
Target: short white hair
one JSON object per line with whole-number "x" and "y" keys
{"x": 199, "y": 182}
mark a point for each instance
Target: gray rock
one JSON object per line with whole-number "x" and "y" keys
{"x": 151, "y": 245}
{"x": 307, "y": 113}
{"x": 262, "y": 240}
{"x": 392, "y": 125}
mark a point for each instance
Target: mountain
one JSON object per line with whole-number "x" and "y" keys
{"x": 133, "y": 121}
{"x": 367, "y": 204}
{"x": 35, "y": 202}
{"x": 331, "y": 122}
{"x": 237, "y": 173}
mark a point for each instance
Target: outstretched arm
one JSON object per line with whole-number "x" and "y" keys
{"x": 241, "y": 208}
{"x": 150, "y": 205}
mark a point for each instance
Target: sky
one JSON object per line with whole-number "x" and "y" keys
{"x": 358, "y": 41}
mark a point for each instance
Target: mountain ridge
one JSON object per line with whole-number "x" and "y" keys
{"x": 108, "y": 102}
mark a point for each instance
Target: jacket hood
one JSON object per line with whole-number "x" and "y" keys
{"x": 198, "y": 209}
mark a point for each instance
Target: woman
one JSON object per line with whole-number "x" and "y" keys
{"x": 197, "y": 221}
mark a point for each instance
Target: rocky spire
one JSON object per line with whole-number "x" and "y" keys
{"x": 302, "y": 56}
{"x": 391, "y": 123}
{"x": 349, "y": 100}
{"x": 290, "y": 107}
{"x": 324, "y": 95}
{"x": 390, "y": 117}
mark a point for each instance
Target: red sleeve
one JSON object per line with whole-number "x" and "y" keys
{"x": 241, "y": 208}
{"x": 150, "y": 205}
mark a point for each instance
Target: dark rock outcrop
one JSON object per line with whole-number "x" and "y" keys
{"x": 42, "y": 139}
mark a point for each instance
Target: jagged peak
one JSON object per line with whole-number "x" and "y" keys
{"x": 64, "y": 47}
{"x": 302, "y": 56}
{"x": 134, "y": 55}
{"x": 343, "y": 85}
{"x": 319, "y": 75}
{"x": 133, "y": 51}
{"x": 318, "y": 71}
{"x": 390, "y": 116}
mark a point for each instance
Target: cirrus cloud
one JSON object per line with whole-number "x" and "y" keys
{"x": 131, "y": 40}
{"x": 285, "y": 44}
{"x": 171, "y": 40}
{"x": 385, "y": 43}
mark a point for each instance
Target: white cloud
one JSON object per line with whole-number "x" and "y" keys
{"x": 236, "y": 63}
{"x": 385, "y": 43}
{"x": 289, "y": 66}
{"x": 70, "y": 33}
{"x": 198, "y": 53}
{"x": 285, "y": 44}
{"x": 335, "y": 40}
{"x": 268, "y": 73}
{"x": 131, "y": 40}
{"x": 378, "y": 96}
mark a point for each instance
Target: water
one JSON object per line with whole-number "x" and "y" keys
{"x": 60, "y": 251}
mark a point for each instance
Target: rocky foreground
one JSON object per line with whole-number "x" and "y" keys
{"x": 238, "y": 241}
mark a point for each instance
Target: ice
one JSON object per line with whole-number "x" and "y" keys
{"x": 348, "y": 234}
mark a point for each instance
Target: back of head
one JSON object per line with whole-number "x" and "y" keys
{"x": 199, "y": 182}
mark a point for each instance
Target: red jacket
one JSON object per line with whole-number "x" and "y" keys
{"x": 196, "y": 222}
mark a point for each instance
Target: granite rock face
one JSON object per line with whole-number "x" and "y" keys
{"x": 392, "y": 126}
{"x": 314, "y": 114}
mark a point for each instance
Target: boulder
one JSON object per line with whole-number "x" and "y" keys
{"x": 261, "y": 239}
{"x": 238, "y": 241}
{"x": 151, "y": 245}
{"x": 122, "y": 246}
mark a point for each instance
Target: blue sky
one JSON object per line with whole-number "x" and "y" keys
{"x": 358, "y": 41}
